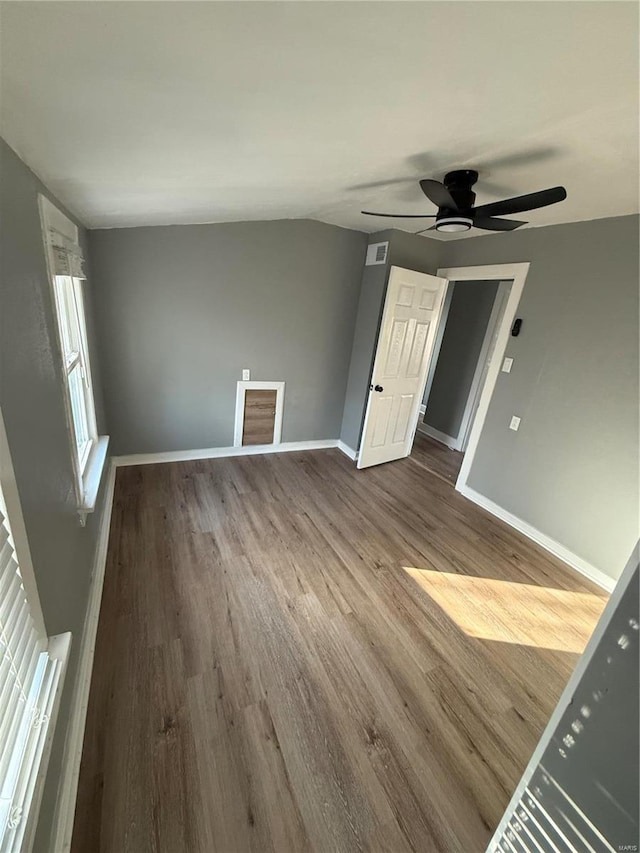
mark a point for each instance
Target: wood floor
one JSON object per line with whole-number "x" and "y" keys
{"x": 294, "y": 655}
{"x": 436, "y": 457}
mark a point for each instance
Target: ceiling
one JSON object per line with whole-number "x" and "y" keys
{"x": 145, "y": 113}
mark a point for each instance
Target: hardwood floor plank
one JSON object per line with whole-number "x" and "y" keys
{"x": 275, "y": 801}
{"x": 294, "y": 655}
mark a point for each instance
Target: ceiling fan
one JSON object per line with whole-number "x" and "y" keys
{"x": 454, "y": 199}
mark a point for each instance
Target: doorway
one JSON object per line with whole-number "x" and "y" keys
{"x": 385, "y": 439}
{"x": 465, "y": 341}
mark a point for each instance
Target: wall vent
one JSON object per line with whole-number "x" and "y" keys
{"x": 377, "y": 253}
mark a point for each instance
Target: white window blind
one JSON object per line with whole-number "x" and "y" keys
{"x": 66, "y": 255}
{"x": 28, "y": 677}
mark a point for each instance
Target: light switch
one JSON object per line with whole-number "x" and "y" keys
{"x": 506, "y": 365}
{"x": 515, "y": 423}
{"x": 246, "y": 375}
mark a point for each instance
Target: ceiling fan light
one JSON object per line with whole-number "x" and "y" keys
{"x": 451, "y": 224}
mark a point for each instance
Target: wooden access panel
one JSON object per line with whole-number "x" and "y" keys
{"x": 259, "y": 416}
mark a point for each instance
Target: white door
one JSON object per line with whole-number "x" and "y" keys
{"x": 405, "y": 345}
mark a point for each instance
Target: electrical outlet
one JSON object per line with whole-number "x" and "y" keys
{"x": 515, "y": 423}
{"x": 506, "y": 365}
{"x": 246, "y": 375}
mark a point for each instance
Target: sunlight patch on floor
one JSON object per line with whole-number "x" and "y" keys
{"x": 510, "y": 612}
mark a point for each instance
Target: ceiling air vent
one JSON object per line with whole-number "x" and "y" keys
{"x": 377, "y": 253}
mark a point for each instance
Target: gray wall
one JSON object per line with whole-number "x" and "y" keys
{"x": 32, "y": 406}
{"x": 405, "y": 250}
{"x": 571, "y": 470}
{"x": 372, "y": 290}
{"x": 182, "y": 309}
{"x": 464, "y": 333}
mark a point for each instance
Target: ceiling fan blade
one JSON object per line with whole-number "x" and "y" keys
{"x": 520, "y": 203}
{"x": 438, "y": 194}
{"x": 400, "y": 215}
{"x": 492, "y": 223}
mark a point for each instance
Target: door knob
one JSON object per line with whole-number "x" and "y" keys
{"x": 378, "y": 388}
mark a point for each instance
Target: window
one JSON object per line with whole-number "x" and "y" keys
{"x": 30, "y": 670}
{"x": 66, "y": 268}
{"x": 75, "y": 360}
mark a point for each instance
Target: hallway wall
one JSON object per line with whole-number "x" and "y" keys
{"x": 464, "y": 333}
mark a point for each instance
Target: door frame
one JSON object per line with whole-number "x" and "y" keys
{"x": 517, "y": 273}
{"x": 245, "y": 385}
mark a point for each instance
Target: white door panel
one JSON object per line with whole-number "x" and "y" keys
{"x": 380, "y": 425}
{"x": 407, "y": 334}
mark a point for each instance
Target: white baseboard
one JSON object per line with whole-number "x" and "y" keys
{"x": 218, "y": 452}
{"x": 442, "y": 437}
{"x": 348, "y": 451}
{"x": 596, "y": 575}
{"x": 68, "y": 788}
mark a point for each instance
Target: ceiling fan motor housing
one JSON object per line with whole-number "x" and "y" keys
{"x": 459, "y": 184}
